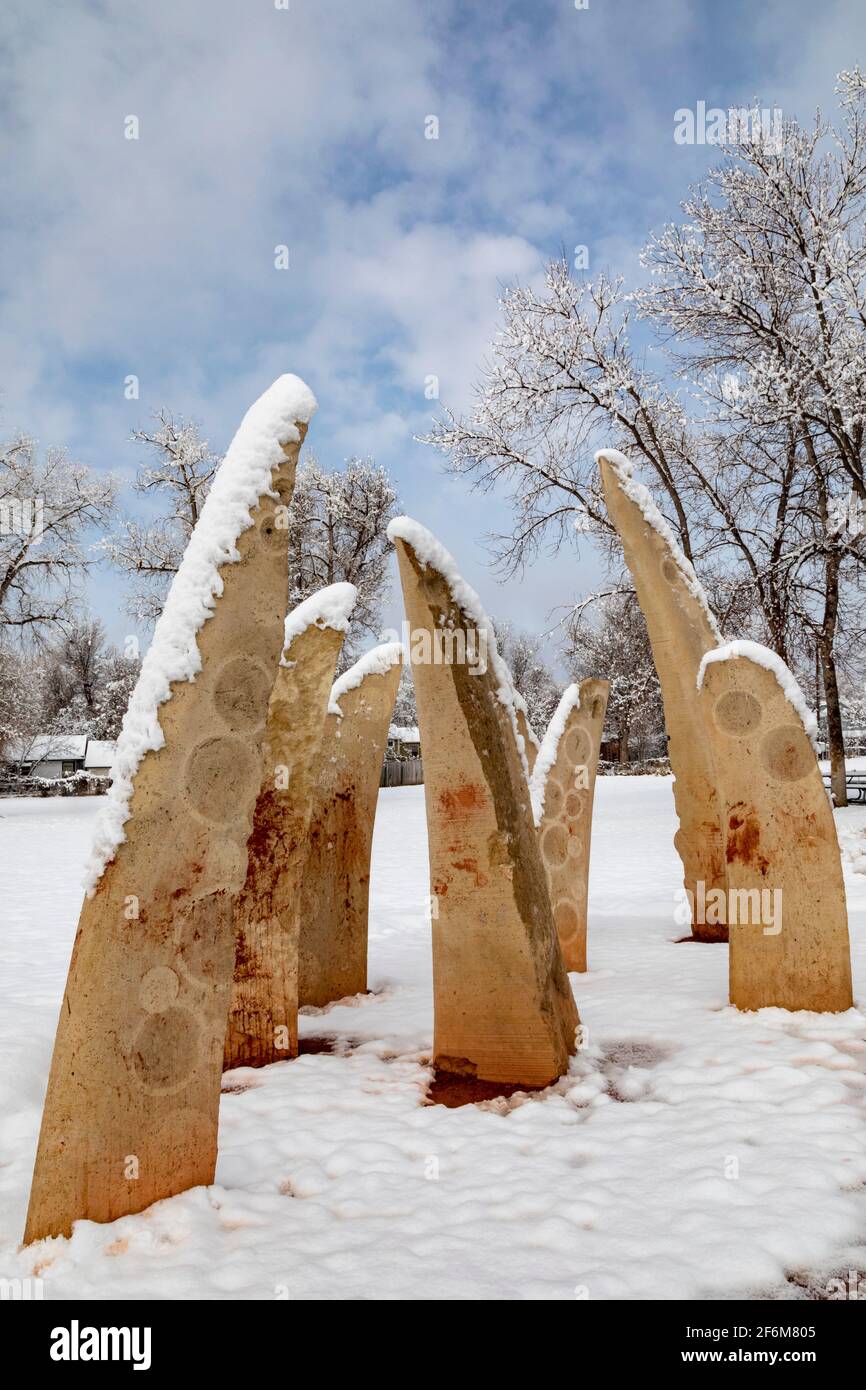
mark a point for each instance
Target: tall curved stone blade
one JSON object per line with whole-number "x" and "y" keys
{"x": 133, "y": 1097}
{"x": 681, "y": 630}
{"x": 336, "y": 886}
{"x": 263, "y": 1016}
{"x": 526, "y": 732}
{"x": 563, "y": 788}
{"x": 786, "y": 897}
{"x": 503, "y": 1006}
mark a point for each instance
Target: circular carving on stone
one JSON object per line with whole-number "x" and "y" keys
{"x": 566, "y": 920}
{"x": 552, "y": 798}
{"x": 787, "y": 754}
{"x": 554, "y": 845}
{"x": 158, "y": 989}
{"x": 575, "y": 745}
{"x": 670, "y": 571}
{"x": 166, "y": 1050}
{"x": 220, "y": 775}
{"x": 204, "y": 939}
{"x": 272, "y": 535}
{"x": 241, "y": 694}
{"x": 738, "y": 713}
{"x": 573, "y": 805}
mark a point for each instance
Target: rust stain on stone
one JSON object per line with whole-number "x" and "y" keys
{"x": 743, "y": 841}
{"x": 462, "y": 801}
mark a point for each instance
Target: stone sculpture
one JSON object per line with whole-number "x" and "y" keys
{"x": 503, "y": 1006}
{"x": 131, "y": 1110}
{"x": 563, "y": 787}
{"x": 785, "y": 904}
{"x": 336, "y": 886}
{"x": 682, "y": 630}
{"x": 526, "y": 732}
{"x": 263, "y": 1017}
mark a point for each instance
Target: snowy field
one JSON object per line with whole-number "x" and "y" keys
{"x": 692, "y": 1152}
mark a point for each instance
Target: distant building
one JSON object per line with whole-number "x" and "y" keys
{"x": 403, "y": 742}
{"x": 608, "y": 749}
{"x": 99, "y": 758}
{"x": 52, "y": 756}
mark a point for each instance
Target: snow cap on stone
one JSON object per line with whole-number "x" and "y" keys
{"x": 430, "y": 552}
{"x": 762, "y": 656}
{"x": 328, "y": 607}
{"x": 643, "y": 500}
{"x": 549, "y": 749}
{"x": 376, "y": 662}
{"x": 244, "y": 475}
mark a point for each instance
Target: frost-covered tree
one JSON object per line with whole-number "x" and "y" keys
{"x": 48, "y": 504}
{"x": 610, "y": 640}
{"x": 748, "y": 433}
{"x": 177, "y": 479}
{"x": 763, "y": 290}
{"x": 531, "y": 674}
{"x": 405, "y": 710}
{"x": 85, "y": 683}
{"x": 338, "y": 523}
{"x": 21, "y": 704}
{"x": 73, "y": 667}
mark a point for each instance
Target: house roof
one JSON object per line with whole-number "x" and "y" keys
{"x": 51, "y": 747}
{"x": 100, "y": 752}
{"x": 404, "y": 733}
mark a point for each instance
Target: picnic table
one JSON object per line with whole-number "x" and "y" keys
{"x": 854, "y": 781}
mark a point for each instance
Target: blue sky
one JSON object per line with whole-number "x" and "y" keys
{"x": 262, "y": 126}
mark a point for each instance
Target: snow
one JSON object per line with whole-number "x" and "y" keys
{"x": 642, "y": 498}
{"x": 550, "y": 747}
{"x": 100, "y": 752}
{"x": 763, "y": 656}
{"x": 430, "y": 552}
{"x": 406, "y": 733}
{"x": 328, "y": 607}
{"x": 376, "y": 662}
{"x": 335, "y": 1181}
{"x": 242, "y": 478}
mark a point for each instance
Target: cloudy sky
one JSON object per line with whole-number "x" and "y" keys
{"x": 305, "y": 126}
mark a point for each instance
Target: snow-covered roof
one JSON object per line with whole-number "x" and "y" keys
{"x": 100, "y": 752}
{"x": 50, "y": 747}
{"x": 404, "y": 733}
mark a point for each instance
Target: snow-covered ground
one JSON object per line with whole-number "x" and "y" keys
{"x": 691, "y": 1152}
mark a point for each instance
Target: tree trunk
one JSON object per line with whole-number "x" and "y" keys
{"x": 826, "y": 641}
{"x": 623, "y": 745}
{"x": 835, "y": 740}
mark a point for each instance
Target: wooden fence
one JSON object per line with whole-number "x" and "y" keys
{"x": 402, "y": 772}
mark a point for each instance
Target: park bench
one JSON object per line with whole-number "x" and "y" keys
{"x": 855, "y": 782}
